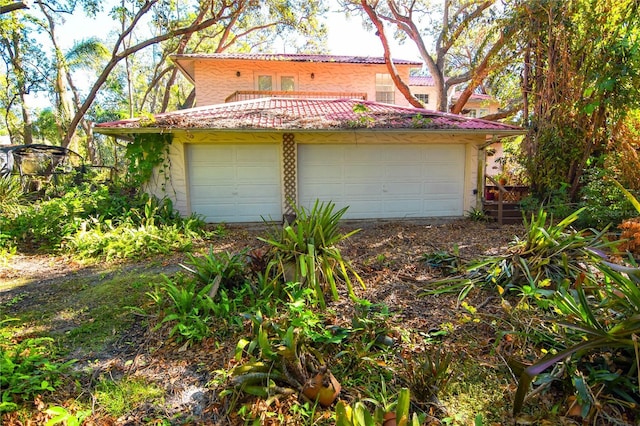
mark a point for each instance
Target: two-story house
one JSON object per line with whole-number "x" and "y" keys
{"x": 271, "y": 130}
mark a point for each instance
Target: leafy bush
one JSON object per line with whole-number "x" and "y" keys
{"x": 96, "y": 221}
{"x": 10, "y": 193}
{"x": 604, "y": 202}
{"x": 306, "y": 250}
{"x": 26, "y": 370}
{"x": 188, "y": 302}
{"x": 189, "y": 308}
{"x": 550, "y": 256}
{"x": 603, "y": 317}
{"x": 126, "y": 241}
{"x": 222, "y": 269}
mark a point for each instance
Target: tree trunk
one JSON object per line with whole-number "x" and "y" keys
{"x": 401, "y": 85}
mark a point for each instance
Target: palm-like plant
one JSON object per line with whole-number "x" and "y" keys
{"x": 612, "y": 322}
{"x": 306, "y": 250}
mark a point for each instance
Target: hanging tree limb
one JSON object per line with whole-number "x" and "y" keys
{"x": 13, "y": 6}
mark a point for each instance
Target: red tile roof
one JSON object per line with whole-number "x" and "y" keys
{"x": 312, "y": 114}
{"x": 295, "y": 58}
{"x": 421, "y": 80}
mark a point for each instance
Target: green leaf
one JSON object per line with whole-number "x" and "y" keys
{"x": 402, "y": 407}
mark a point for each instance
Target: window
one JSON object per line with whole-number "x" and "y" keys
{"x": 422, "y": 97}
{"x": 287, "y": 84}
{"x": 472, "y": 113}
{"x": 385, "y": 88}
{"x": 265, "y": 82}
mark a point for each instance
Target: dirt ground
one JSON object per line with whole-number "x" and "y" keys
{"x": 387, "y": 254}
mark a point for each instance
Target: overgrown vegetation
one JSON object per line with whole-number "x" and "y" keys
{"x": 303, "y": 345}
{"x": 96, "y": 221}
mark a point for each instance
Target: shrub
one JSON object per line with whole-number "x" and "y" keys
{"x": 551, "y": 255}
{"x": 26, "y": 370}
{"x": 603, "y": 317}
{"x": 97, "y": 221}
{"x": 604, "y": 202}
{"x": 10, "y": 193}
{"x": 306, "y": 250}
{"x": 222, "y": 269}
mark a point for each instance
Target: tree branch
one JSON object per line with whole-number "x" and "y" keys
{"x": 402, "y": 86}
{"x": 13, "y": 6}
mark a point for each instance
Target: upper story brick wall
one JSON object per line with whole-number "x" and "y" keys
{"x": 216, "y": 79}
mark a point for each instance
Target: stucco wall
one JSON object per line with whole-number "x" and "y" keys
{"x": 217, "y": 79}
{"x": 170, "y": 181}
{"x": 177, "y": 185}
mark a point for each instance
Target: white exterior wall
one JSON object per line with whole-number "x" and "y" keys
{"x": 172, "y": 183}
{"x": 217, "y": 79}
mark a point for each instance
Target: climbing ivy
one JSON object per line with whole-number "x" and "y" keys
{"x": 144, "y": 154}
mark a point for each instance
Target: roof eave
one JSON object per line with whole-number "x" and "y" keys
{"x": 177, "y": 61}
{"x": 141, "y": 130}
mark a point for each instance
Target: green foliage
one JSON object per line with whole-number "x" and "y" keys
{"x": 551, "y": 255}
{"x": 605, "y": 203}
{"x": 581, "y": 86}
{"x": 306, "y": 250}
{"x": 26, "y": 370}
{"x": 62, "y": 415}
{"x": 190, "y": 308}
{"x": 604, "y": 317}
{"x": 144, "y": 154}
{"x": 188, "y": 302}
{"x": 222, "y": 269}
{"x": 477, "y": 215}
{"x": 364, "y": 119}
{"x": 448, "y": 262}
{"x": 128, "y": 242}
{"x": 10, "y": 193}
{"x": 358, "y": 414}
{"x": 118, "y": 398}
{"x": 428, "y": 374}
{"x": 99, "y": 221}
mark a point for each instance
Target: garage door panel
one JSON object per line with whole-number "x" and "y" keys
{"x": 358, "y": 171}
{"x": 444, "y": 171}
{"x": 250, "y": 174}
{"x": 203, "y": 192}
{"x": 384, "y": 181}
{"x": 446, "y": 188}
{"x": 329, "y": 172}
{"x": 210, "y": 173}
{"x": 362, "y": 189}
{"x": 235, "y": 183}
{"x": 402, "y": 189}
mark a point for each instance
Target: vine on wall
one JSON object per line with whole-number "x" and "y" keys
{"x": 144, "y": 154}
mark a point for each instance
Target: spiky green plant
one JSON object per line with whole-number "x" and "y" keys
{"x": 608, "y": 318}
{"x": 307, "y": 251}
{"x": 551, "y": 254}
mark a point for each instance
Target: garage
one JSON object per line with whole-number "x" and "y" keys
{"x": 235, "y": 182}
{"x": 384, "y": 181}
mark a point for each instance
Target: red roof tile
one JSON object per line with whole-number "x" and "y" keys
{"x": 421, "y": 80}
{"x": 295, "y": 58}
{"x": 315, "y": 114}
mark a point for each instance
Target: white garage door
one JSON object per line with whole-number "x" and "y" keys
{"x": 384, "y": 181}
{"x": 235, "y": 183}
